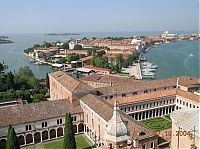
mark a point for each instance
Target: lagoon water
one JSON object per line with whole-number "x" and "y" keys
{"x": 173, "y": 59}
{"x": 176, "y": 59}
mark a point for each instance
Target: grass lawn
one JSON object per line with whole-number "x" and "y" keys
{"x": 30, "y": 147}
{"x": 81, "y": 143}
{"x": 157, "y": 123}
{"x": 125, "y": 74}
{"x": 167, "y": 117}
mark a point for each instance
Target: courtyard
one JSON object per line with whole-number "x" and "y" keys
{"x": 158, "y": 123}
{"x": 81, "y": 141}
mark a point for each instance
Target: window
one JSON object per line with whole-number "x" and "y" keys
{"x": 132, "y": 107}
{"x": 165, "y": 88}
{"x": 140, "y": 106}
{"x": 155, "y": 90}
{"x": 154, "y": 104}
{"x": 143, "y": 146}
{"x": 111, "y": 97}
{"x": 134, "y": 93}
{"x": 143, "y": 106}
{"x": 74, "y": 118}
{"x": 177, "y": 100}
{"x": 180, "y": 101}
{"x": 190, "y": 106}
{"x": 174, "y": 86}
{"x": 92, "y": 123}
{"x": 183, "y": 102}
{"x": 28, "y": 127}
{"x": 87, "y": 118}
{"x": 193, "y": 106}
{"x": 145, "y": 91}
{"x": 129, "y": 108}
{"x": 152, "y": 145}
{"x": 123, "y": 95}
{"x": 186, "y": 104}
{"x": 59, "y": 121}
{"x": 44, "y": 124}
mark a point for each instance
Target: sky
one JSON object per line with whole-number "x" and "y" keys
{"x": 48, "y": 16}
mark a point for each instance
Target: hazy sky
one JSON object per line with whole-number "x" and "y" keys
{"x": 44, "y": 16}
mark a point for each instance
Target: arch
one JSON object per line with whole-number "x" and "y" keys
{"x": 3, "y": 143}
{"x": 52, "y": 133}
{"x": 37, "y": 137}
{"x": 142, "y": 133}
{"x": 75, "y": 128}
{"x": 60, "y": 132}
{"x": 21, "y": 140}
{"x": 80, "y": 127}
{"x": 29, "y": 138}
{"x": 45, "y": 135}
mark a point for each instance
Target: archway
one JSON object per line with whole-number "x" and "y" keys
{"x": 29, "y": 138}
{"x": 21, "y": 140}
{"x": 45, "y": 135}
{"x": 37, "y": 137}
{"x": 80, "y": 127}
{"x": 75, "y": 128}
{"x": 52, "y": 133}
{"x": 60, "y": 132}
{"x": 3, "y": 143}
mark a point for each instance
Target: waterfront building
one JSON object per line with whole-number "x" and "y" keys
{"x": 92, "y": 104}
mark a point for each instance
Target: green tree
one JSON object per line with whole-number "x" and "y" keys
{"x": 47, "y": 81}
{"x": 65, "y": 46}
{"x": 12, "y": 140}
{"x": 10, "y": 80}
{"x": 25, "y": 72}
{"x": 38, "y": 98}
{"x": 69, "y": 139}
{"x": 78, "y": 47}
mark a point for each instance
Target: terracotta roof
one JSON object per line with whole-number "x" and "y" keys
{"x": 109, "y": 79}
{"x": 189, "y": 81}
{"x": 86, "y": 58}
{"x": 96, "y": 68}
{"x": 188, "y": 95}
{"x": 70, "y": 83}
{"x": 143, "y": 85}
{"x": 143, "y": 97}
{"x": 105, "y": 110}
{"x": 20, "y": 114}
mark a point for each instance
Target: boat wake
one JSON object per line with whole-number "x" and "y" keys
{"x": 189, "y": 56}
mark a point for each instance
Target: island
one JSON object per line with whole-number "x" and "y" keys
{"x": 62, "y": 34}
{"x": 5, "y": 39}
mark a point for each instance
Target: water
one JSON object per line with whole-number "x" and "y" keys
{"x": 173, "y": 59}
{"x": 176, "y": 59}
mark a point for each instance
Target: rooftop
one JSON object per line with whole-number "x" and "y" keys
{"x": 187, "y": 119}
{"x": 105, "y": 110}
{"x": 70, "y": 83}
{"x": 143, "y": 97}
{"x": 20, "y": 114}
{"x": 109, "y": 79}
{"x": 142, "y": 85}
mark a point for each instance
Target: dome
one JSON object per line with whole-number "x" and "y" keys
{"x": 116, "y": 129}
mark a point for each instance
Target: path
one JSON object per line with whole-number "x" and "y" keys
{"x": 134, "y": 70}
{"x": 39, "y": 146}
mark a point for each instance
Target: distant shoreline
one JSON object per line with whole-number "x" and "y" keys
{"x": 61, "y": 34}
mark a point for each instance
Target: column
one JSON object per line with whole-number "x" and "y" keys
{"x": 147, "y": 114}
{"x": 160, "y": 111}
{"x": 33, "y": 138}
{"x": 25, "y": 139}
{"x": 77, "y": 128}
{"x": 144, "y": 114}
{"x": 49, "y": 135}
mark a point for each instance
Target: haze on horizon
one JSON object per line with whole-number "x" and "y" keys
{"x": 44, "y": 16}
